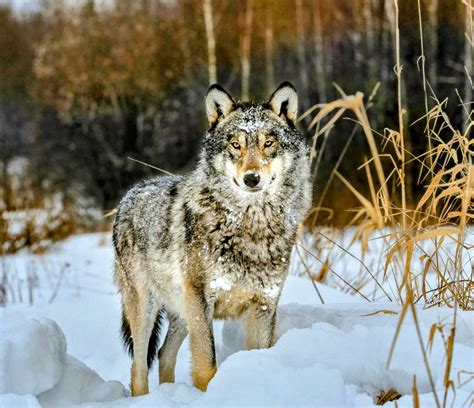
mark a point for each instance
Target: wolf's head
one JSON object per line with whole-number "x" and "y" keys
{"x": 253, "y": 146}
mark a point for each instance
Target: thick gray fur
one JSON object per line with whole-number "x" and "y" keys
{"x": 202, "y": 230}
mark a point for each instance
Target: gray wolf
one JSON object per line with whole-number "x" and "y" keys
{"x": 215, "y": 243}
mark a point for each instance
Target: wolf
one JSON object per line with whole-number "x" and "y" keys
{"x": 215, "y": 243}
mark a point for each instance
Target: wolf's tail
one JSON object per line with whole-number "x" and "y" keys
{"x": 152, "y": 343}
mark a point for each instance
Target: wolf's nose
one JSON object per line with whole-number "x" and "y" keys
{"x": 251, "y": 179}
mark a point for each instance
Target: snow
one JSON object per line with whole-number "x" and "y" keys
{"x": 65, "y": 350}
{"x": 220, "y": 283}
{"x": 79, "y": 384}
{"x": 32, "y": 354}
{"x": 18, "y": 401}
{"x": 275, "y": 380}
{"x": 272, "y": 291}
{"x": 34, "y": 362}
{"x": 251, "y": 126}
{"x": 334, "y": 336}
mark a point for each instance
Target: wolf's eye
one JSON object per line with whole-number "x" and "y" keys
{"x": 235, "y": 145}
{"x": 268, "y": 143}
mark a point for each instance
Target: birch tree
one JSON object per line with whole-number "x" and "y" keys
{"x": 369, "y": 30}
{"x": 211, "y": 41}
{"x": 319, "y": 58}
{"x": 356, "y": 35}
{"x": 246, "y": 39}
{"x": 388, "y": 34}
{"x": 433, "y": 41}
{"x": 269, "y": 68}
{"x": 300, "y": 32}
{"x": 184, "y": 41}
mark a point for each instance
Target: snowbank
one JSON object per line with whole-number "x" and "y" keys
{"x": 322, "y": 348}
{"x": 328, "y": 356}
{"x": 275, "y": 377}
{"x": 331, "y": 355}
{"x": 80, "y": 384}
{"x": 32, "y": 354}
{"x": 18, "y": 401}
{"x": 36, "y": 369}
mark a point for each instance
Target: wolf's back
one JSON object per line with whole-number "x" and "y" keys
{"x": 144, "y": 216}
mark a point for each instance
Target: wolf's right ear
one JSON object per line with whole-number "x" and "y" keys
{"x": 218, "y": 103}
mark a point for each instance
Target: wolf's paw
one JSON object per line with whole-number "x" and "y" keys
{"x": 202, "y": 377}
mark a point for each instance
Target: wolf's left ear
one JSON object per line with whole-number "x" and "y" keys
{"x": 284, "y": 101}
{"x": 218, "y": 103}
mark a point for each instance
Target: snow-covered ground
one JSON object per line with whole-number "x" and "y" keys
{"x": 60, "y": 345}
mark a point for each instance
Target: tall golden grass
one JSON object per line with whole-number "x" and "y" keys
{"x": 441, "y": 217}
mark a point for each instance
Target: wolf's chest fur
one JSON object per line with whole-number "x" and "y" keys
{"x": 245, "y": 248}
{"x": 248, "y": 243}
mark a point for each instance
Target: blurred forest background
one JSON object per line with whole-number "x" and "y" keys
{"x": 86, "y": 85}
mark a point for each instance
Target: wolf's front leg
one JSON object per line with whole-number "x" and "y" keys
{"x": 199, "y": 313}
{"x": 260, "y": 324}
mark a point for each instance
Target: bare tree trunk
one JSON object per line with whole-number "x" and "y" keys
{"x": 211, "y": 41}
{"x": 319, "y": 51}
{"x": 7, "y": 186}
{"x": 356, "y": 34}
{"x": 369, "y": 32}
{"x": 388, "y": 33}
{"x": 406, "y": 175}
{"x": 301, "y": 50}
{"x": 433, "y": 41}
{"x": 245, "y": 50}
{"x": 269, "y": 69}
{"x": 468, "y": 84}
{"x": 184, "y": 42}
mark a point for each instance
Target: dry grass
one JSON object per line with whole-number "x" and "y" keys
{"x": 434, "y": 231}
{"x": 22, "y": 278}
{"x": 33, "y": 217}
{"x": 384, "y": 397}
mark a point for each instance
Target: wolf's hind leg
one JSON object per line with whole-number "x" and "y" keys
{"x": 260, "y": 325}
{"x": 140, "y": 312}
{"x": 168, "y": 352}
